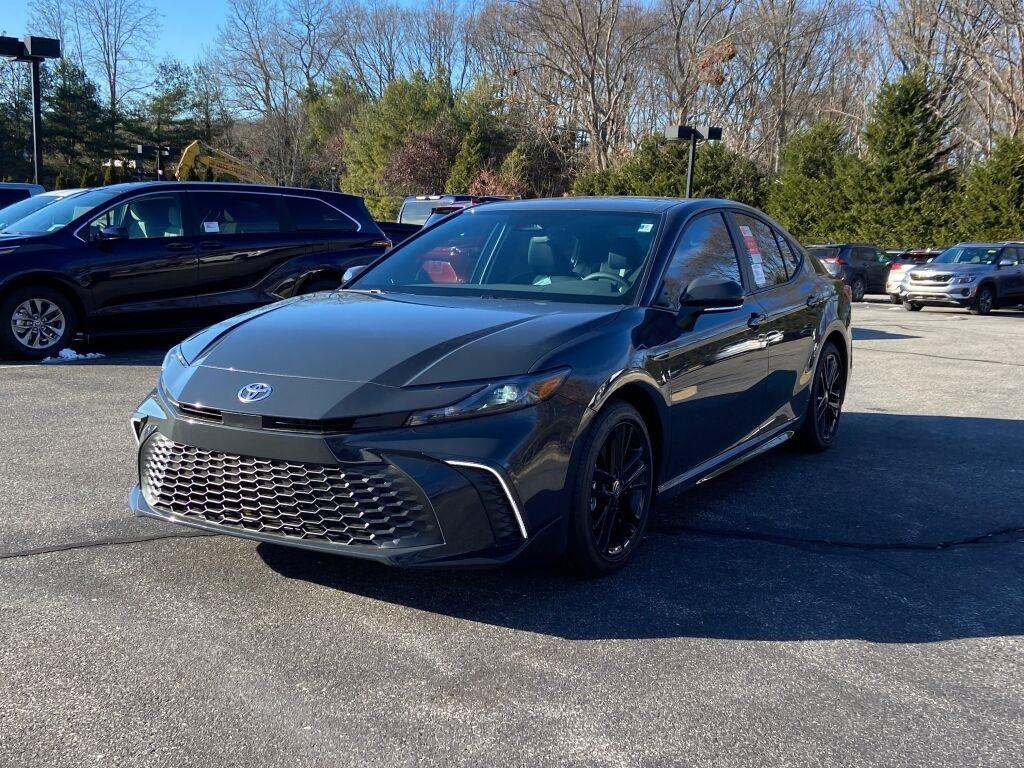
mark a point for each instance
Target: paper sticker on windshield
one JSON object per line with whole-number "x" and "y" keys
{"x": 646, "y": 227}
{"x": 756, "y": 265}
{"x": 211, "y": 227}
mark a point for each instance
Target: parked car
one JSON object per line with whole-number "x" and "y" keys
{"x": 396, "y": 232}
{"x": 12, "y": 192}
{"x": 902, "y": 261}
{"x": 524, "y": 377}
{"x": 19, "y": 210}
{"x": 416, "y": 209}
{"x": 977, "y": 276}
{"x": 165, "y": 255}
{"x": 861, "y": 266}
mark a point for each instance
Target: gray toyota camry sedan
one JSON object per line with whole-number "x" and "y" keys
{"x": 522, "y": 378}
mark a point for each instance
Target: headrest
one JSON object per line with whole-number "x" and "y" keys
{"x": 624, "y": 253}
{"x": 545, "y": 257}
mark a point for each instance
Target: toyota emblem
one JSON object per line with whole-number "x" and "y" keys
{"x": 250, "y": 393}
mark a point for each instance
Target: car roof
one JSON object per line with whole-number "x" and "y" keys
{"x": 975, "y": 244}
{"x": 226, "y": 186}
{"x": 609, "y": 203}
{"x": 64, "y": 192}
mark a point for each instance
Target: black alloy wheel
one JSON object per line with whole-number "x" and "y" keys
{"x": 615, "y": 491}
{"x": 821, "y": 424}
{"x": 857, "y": 289}
{"x": 984, "y": 301}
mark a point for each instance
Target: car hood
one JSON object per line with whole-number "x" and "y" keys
{"x": 350, "y": 353}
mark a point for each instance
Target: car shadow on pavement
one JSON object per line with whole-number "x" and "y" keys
{"x": 881, "y": 539}
{"x": 872, "y": 334}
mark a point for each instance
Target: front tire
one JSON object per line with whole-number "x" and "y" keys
{"x": 984, "y": 301}
{"x": 912, "y": 306}
{"x": 36, "y": 322}
{"x": 894, "y": 299}
{"x": 821, "y": 422}
{"x": 613, "y": 494}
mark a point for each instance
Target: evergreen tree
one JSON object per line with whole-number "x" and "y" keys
{"x": 468, "y": 162}
{"x": 992, "y": 199}
{"x": 811, "y": 197}
{"x": 902, "y": 192}
{"x": 73, "y": 121}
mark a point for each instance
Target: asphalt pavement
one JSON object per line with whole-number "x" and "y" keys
{"x": 860, "y": 607}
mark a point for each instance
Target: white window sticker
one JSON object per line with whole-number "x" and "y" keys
{"x": 756, "y": 265}
{"x": 646, "y": 227}
{"x": 211, "y": 227}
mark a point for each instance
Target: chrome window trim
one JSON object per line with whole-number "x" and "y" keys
{"x": 504, "y": 486}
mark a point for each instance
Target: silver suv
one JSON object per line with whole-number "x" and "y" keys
{"x": 978, "y": 276}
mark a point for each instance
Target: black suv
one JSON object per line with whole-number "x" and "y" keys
{"x": 167, "y": 256}
{"x": 861, "y": 266}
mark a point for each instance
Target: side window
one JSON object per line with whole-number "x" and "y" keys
{"x": 765, "y": 256}
{"x": 143, "y": 218}
{"x": 704, "y": 250}
{"x": 234, "y": 213}
{"x": 791, "y": 257}
{"x": 312, "y": 215}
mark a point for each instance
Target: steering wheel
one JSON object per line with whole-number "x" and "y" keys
{"x": 622, "y": 283}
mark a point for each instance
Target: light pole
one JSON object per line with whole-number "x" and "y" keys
{"x": 33, "y": 50}
{"x": 693, "y": 134}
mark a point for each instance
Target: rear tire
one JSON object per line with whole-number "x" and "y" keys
{"x": 821, "y": 421}
{"x": 912, "y": 306}
{"x": 857, "y": 289}
{"x": 613, "y": 494}
{"x": 984, "y": 301}
{"x": 894, "y": 299}
{"x": 36, "y": 322}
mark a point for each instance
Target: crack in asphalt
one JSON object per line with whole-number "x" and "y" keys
{"x": 999, "y": 536}
{"x": 860, "y": 348}
{"x": 73, "y": 545}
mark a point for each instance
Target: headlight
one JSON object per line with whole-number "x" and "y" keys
{"x": 498, "y": 396}
{"x": 964, "y": 279}
{"x": 174, "y": 358}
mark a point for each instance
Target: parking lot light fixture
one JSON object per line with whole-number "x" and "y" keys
{"x": 693, "y": 134}
{"x": 34, "y": 50}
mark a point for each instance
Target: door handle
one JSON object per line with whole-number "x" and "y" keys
{"x": 755, "y": 320}
{"x": 179, "y": 246}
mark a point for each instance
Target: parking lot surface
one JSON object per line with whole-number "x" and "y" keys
{"x": 859, "y": 607}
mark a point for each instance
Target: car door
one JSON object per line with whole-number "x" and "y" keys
{"x": 335, "y": 238}
{"x": 714, "y": 374}
{"x": 242, "y": 240}
{"x": 788, "y": 293}
{"x": 138, "y": 261}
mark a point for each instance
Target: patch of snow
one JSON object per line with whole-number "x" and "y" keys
{"x": 68, "y": 355}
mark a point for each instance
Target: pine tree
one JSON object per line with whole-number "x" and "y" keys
{"x": 901, "y": 194}
{"x": 992, "y": 198}
{"x": 468, "y": 162}
{"x": 811, "y": 196}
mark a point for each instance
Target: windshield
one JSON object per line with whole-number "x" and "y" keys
{"x": 59, "y": 214}
{"x": 968, "y": 254}
{"x": 17, "y": 211}
{"x": 582, "y": 256}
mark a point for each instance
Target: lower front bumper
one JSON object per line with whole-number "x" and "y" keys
{"x": 947, "y": 295}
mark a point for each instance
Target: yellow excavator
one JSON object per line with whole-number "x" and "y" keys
{"x": 199, "y": 156}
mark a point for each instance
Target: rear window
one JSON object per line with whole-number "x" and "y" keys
{"x": 417, "y": 211}
{"x": 312, "y": 215}
{"x": 823, "y": 252}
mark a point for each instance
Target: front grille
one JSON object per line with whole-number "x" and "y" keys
{"x": 931, "y": 278}
{"x": 367, "y": 505}
{"x": 312, "y": 426}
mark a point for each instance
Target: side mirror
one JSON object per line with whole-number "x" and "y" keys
{"x": 708, "y": 294}
{"x": 352, "y": 273}
{"x": 111, "y": 233}
{"x": 1007, "y": 263}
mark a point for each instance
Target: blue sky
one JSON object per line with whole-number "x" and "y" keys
{"x": 187, "y": 25}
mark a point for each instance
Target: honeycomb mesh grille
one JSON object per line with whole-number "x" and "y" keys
{"x": 370, "y": 506}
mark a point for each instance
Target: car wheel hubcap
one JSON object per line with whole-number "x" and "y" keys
{"x": 38, "y": 323}
{"x": 620, "y": 491}
{"x": 828, "y": 396}
{"x": 985, "y": 302}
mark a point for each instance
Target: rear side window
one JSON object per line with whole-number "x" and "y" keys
{"x": 791, "y": 257}
{"x": 235, "y": 213}
{"x": 312, "y": 215}
{"x": 765, "y": 256}
{"x": 705, "y": 249}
